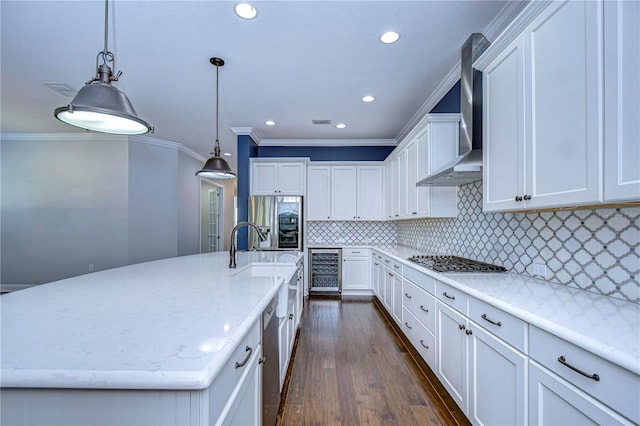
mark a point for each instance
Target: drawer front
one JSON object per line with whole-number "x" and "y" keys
{"x": 616, "y": 387}
{"x": 355, "y": 251}
{"x": 229, "y": 376}
{"x": 420, "y": 303}
{"x": 420, "y": 279}
{"x": 455, "y": 298}
{"x": 505, "y": 326}
{"x": 422, "y": 339}
{"x": 396, "y": 266}
{"x": 386, "y": 261}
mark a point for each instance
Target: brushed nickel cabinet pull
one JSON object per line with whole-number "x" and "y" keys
{"x": 423, "y": 308}
{"x": 461, "y": 326}
{"x": 447, "y": 296}
{"x": 244, "y": 362}
{"x": 423, "y": 345}
{"x": 518, "y": 198}
{"x": 527, "y": 197}
{"x": 484, "y": 317}
{"x": 468, "y": 332}
{"x": 562, "y": 360}
{"x": 408, "y": 295}
{"x": 408, "y": 326}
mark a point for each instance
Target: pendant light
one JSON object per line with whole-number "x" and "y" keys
{"x": 99, "y": 106}
{"x": 216, "y": 167}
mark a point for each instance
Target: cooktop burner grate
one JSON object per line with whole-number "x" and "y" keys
{"x": 442, "y": 263}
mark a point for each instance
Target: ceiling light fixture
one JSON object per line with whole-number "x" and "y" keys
{"x": 216, "y": 167}
{"x": 99, "y": 106}
{"x": 389, "y": 37}
{"x": 246, "y": 11}
{"x": 341, "y": 125}
{"x": 368, "y": 98}
{"x": 270, "y": 123}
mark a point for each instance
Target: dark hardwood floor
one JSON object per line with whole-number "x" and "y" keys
{"x": 350, "y": 368}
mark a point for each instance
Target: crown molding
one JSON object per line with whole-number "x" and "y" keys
{"x": 328, "y": 142}
{"x": 153, "y": 141}
{"x": 61, "y": 137}
{"x": 247, "y": 131}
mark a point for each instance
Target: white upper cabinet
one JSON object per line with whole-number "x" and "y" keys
{"x": 561, "y": 108}
{"x": 277, "y": 177}
{"x": 543, "y": 100}
{"x": 345, "y": 192}
{"x": 621, "y": 101}
{"x": 319, "y": 193}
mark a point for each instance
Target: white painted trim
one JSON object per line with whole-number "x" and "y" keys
{"x": 504, "y": 18}
{"x": 247, "y": 131}
{"x": 191, "y": 153}
{"x": 280, "y": 160}
{"x": 61, "y": 137}
{"x": 328, "y": 142}
{"x": 153, "y": 141}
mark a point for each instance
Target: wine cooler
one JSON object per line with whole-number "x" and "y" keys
{"x": 325, "y": 267}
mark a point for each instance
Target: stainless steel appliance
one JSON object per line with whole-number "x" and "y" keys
{"x": 325, "y": 267}
{"x": 443, "y": 263}
{"x": 271, "y": 365}
{"x": 280, "y": 219}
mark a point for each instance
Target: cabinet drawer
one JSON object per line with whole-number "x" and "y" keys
{"x": 453, "y": 297}
{"x": 420, "y": 279}
{"x": 616, "y": 387}
{"x": 396, "y": 266}
{"x": 422, "y": 339}
{"x": 229, "y": 376}
{"x": 507, "y": 327}
{"x": 420, "y": 303}
{"x": 355, "y": 251}
{"x": 386, "y": 261}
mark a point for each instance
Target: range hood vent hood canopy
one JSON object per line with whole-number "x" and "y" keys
{"x": 467, "y": 167}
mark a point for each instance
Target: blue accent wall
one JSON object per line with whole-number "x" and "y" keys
{"x": 247, "y": 148}
{"x": 450, "y": 103}
{"x": 331, "y": 153}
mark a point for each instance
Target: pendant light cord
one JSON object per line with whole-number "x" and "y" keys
{"x": 106, "y": 26}
{"x": 216, "y": 150}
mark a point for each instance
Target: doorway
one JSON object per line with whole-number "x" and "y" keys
{"x": 211, "y": 216}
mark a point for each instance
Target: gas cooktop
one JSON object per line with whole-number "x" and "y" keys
{"x": 442, "y": 263}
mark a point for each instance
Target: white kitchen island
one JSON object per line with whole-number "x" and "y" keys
{"x": 152, "y": 343}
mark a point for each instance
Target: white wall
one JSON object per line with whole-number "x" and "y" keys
{"x": 68, "y": 201}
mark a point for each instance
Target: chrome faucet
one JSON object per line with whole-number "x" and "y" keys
{"x": 232, "y": 250}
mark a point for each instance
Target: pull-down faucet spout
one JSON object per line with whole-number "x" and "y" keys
{"x": 232, "y": 249}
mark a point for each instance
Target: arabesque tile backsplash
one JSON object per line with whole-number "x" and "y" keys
{"x": 596, "y": 250}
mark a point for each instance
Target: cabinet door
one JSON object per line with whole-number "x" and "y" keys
{"x": 355, "y": 273}
{"x": 291, "y": 179}
{"x": 553, "y": 401}
{"x": 388, "y": 290}
{"x": 318, "y": 193}
{"x": 496, "y": 399}
{"x": 397, "y": 297}
{"x": 564, "y": 87}
{"x": 621, "y": 107}
{"x": 443, "y": 135}
{"x": 503, "y": 130}
{"x": 264, "y": 178}
{"x": 390, "y": 189}
{"x": 343, "y": 192}
{"x": 402, "y": 183}
{"x": 412, "y": 178}
{"x": 452, "y": 359}
{"x": 395, "y": 194}
{"x": 244, "y": 406}
{"x": 369, "y": 188}
{"x": 423, "y": 193}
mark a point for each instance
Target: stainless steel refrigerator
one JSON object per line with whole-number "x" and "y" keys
{"x": 280, "y": 219}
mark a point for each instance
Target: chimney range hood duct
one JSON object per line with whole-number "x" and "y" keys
{"x": 467, "y": 167}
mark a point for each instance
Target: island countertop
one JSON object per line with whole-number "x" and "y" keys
{"x": 167, "y": 324}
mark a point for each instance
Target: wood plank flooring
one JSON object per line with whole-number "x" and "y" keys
{"x": 350, "y": 368}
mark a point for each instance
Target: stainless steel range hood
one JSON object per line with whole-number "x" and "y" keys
{"x": 467, "y": 167}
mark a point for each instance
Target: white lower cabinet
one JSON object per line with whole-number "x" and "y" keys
{"x": 356, "y": 269}
{"x": 497, "y": 381}
{"x": 453, "y": 354}
{"x": 553, "y": 401}
{"x": 244, "y": 406}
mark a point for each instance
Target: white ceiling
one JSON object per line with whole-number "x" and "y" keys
{"x": 297, "y": 61}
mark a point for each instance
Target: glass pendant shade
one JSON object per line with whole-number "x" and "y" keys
{"x": 102, "y": 107}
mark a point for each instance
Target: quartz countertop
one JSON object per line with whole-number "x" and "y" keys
{"x": 167, "y": 324}
{"x": 603, "y": 325}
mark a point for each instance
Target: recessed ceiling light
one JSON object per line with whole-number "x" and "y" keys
{"x": 228, "y": 154}
{"x": 368, "y": 98}
{"x": 389, "y": 37}
{"x": 270, "y": 123}
{"x": 341, "y": 125}
{"x": 246, "y": 11}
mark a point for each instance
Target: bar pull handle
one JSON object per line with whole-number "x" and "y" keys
{"x": 562, "y": 360}
{"x": 244, "y": 362}
{"x": 484, "y": 317}
{"x": 423, "y": 308}
{"x": 448, "y": 297}
{"x": 408, "y": 326}
{"x": 408, "y": 295}
{"x": 423, "y": 345}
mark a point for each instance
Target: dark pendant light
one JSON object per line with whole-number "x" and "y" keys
{"x": 216, "y": 167}
{"x": 99, "y": 106}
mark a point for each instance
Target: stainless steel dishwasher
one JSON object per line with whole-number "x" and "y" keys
{"x": 270, "y": 365}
